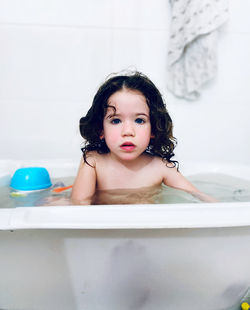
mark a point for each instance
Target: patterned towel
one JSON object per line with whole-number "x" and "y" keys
{"x": 192, "y": 53}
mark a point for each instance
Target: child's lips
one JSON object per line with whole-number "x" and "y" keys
{"x": 127, "y": 146}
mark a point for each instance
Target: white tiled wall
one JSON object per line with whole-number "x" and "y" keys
{"x": 54, "y": 55}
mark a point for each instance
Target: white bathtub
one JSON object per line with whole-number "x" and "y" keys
{"x": 152, "y": 257}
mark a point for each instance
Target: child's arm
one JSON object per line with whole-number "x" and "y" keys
{"x": 85, "y": 182}
{"x": 174, "y": 178}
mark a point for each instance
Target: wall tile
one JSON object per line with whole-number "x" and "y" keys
{"x": 232, "y": 82}
{"x": 141, "y": 14}
{"x": 95, "y": 13}
{"x": 52, "y": 63}
{"x": 239, "y": 21}
{"x": 144, "y": 50}
{"x": 40, "y": 129}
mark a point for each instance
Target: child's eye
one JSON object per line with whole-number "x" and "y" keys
{"x": 140, "y": 121}
{"x": 115, "y": 121}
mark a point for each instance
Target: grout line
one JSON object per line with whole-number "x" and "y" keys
{"x": 91, "y": 27}
{"x": 105, "y": 28}
{"x": 37, "y": 100}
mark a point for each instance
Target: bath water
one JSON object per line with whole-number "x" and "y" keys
{"x": 223, "y": 187}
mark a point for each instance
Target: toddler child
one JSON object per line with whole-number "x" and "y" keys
{"x": 129, "y": 141}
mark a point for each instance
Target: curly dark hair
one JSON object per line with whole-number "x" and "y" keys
{"x": 91, "y": 125}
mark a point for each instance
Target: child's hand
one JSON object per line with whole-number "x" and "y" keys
{"x": 203, "y": 197}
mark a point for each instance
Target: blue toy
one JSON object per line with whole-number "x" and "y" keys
{"x": 30, "y": 178}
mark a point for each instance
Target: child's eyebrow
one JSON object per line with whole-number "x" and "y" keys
{"x": 119, "y": 115}
{"x": 144, "y": 114}
{"x": 111, "y": 115}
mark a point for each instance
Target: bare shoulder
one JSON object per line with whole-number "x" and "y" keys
{"x": 164, "y": 164}
{"x": 92, "y": 158}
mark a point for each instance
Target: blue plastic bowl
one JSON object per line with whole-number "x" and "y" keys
{"x": 30, "y": 178}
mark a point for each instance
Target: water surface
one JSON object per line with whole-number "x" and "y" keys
{"x": 223, "y": 187}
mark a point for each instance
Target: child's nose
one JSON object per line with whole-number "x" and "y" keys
{"x": 128, "y": 129}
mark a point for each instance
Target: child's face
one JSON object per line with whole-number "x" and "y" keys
{"x": 127, "y": 129}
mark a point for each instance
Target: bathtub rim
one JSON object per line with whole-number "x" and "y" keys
{"x": 203, "y": 215}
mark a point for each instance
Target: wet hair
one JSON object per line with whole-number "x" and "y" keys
{"x": 91, "y": 125}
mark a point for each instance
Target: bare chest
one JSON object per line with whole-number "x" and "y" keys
{"x": 116, "y": 177}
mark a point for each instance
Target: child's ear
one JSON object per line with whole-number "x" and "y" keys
{"x": 152, "y": 136}
{"x": 102, "y": 135}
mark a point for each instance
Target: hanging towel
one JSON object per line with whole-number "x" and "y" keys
{"x": 192, "y": 53}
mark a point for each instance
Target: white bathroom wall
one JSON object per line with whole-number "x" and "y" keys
{"x": 54, "y": 55}
{"x": 217, "y": 126}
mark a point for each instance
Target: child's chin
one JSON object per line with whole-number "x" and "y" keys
{"x": 128, "y": 157}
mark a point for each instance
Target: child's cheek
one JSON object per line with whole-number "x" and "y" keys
{"x": 112, "y": 135}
